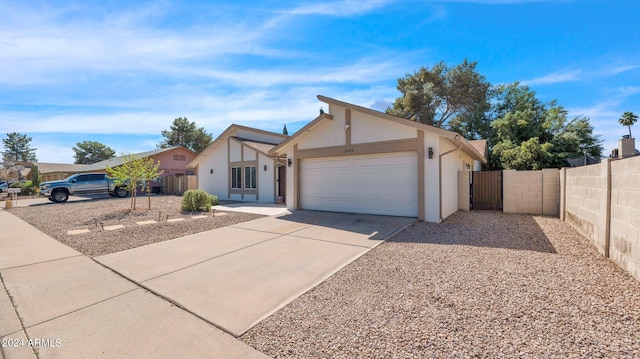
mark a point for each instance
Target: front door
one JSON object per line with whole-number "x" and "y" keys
{"x": 282, "y": 181}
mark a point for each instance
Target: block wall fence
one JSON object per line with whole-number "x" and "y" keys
{"x": 601, "y": 201}
{"x": 533, "y": 192}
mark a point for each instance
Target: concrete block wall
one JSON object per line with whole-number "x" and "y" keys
{"x": 534, "y": 192}
{"x": 624, "y": 248}
{"x": 585, "y": 202}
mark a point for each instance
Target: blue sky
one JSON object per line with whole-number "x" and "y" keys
{"x": 119, "y": 72}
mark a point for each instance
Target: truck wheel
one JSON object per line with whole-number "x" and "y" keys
{"x": 60, "y": 196}
{"x": 121, "y": 192}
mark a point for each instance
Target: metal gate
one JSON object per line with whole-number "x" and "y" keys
{"x": 486, "y": 190}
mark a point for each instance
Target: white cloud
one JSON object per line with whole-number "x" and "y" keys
{"x": 553, "y": 78}
{"x": 620, "y": 69}
{"x": 343, "y": 8}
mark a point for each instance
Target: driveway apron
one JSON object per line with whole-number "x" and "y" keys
{"x": 234, "y": 277}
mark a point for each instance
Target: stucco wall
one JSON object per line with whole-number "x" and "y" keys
{"x": 586, "y": 202}
{"x": 625, "y": 215}
{"x": 431, "y": 178}
{"x": 216, "y": 182}
{"x": 464, "y": 190}
{"x": 366, "y": 128}
{"x": 533, "y": 192}
{"x": 266, "y": 179}
{"x": 451, "y": 163}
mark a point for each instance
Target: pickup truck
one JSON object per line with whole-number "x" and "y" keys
{"x": 79, "y": 184}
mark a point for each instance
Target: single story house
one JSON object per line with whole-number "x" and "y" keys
{"x": 354, "y": 159}
{"x": 173, "y": 160}
{"x": 173, "y": 163}
{"x": 237, "y": 166}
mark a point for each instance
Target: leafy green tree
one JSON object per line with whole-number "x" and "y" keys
{"x": 530, "y": 134}
{"x": 88, "y": 152}
{"x": 434, "y": 96}
{"x": 187, "y": 134}
{"x": 628, "y": 119}
{"x": 135, "y": 171}
{"x": 17, "y": 148}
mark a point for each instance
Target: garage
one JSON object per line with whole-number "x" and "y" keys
{"x": 385, "y": 184}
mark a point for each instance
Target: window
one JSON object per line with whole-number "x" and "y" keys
{"x": 250, "y": 177}
{"x": 236, "y": 177}
{"x": 179, "y": 158}
{"x": 96, "y": 177}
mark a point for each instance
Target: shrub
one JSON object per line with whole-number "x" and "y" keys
{"x": 214, "y": 200}
{"x": 196, "y": 200}
{"x": 26, "y": 187}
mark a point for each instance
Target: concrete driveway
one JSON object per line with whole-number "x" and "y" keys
{"x": 236, "y": 276}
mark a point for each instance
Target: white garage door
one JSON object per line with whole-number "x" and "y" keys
{"x": 375, "y": 184}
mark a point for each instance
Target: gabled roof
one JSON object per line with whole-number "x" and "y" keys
{"x": 230, "y": 132}
{"x": 45, "y": 167}
{"x": 120, "y": 160}
{"x": 454, "y": 137}
{"x": 480, "y": 146}
{"x": 262, "y": 147}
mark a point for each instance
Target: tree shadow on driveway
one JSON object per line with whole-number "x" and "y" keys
{"x": 482, "y": 229}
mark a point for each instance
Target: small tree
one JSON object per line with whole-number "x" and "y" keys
{"x": 150, "y": 173}
{"x": 133, "y": 172}
{"x": 628, "y": 119}
{"x": 35, "y": 178}
{"x": 285, "y": 131}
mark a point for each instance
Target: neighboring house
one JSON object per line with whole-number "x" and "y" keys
{"x": 173, "y": 160}
{"x": 56, "y": 171}
{"x": 353, "y": 159}
{"x": 237, "y": 165}
{"x": 582, "y": 161}
{"x": 19, "y": 171}
{"x": 173, "y": 163}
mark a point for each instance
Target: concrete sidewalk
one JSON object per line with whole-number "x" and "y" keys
{"x": 58, "y": 303}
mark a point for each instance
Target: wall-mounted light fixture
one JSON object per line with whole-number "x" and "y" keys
{"x": 265, "y": 167}
{"x": 288, "y": 162}
{"x": 211, "y": 171}
{"x": 347, "y": 127}
{"x": 430, "y": 152}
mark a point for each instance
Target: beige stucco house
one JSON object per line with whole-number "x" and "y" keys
{"x": 354, "y": 159}
{"x": 237, "y": 165}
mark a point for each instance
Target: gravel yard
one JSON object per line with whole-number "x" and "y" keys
{"x": 56, "y": 219}
{"x": 482, "y": 284}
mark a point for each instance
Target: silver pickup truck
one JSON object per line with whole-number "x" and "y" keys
{"x": 79, "y": 184}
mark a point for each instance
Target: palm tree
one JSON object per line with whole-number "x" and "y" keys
{"x": 628, "y": 119}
